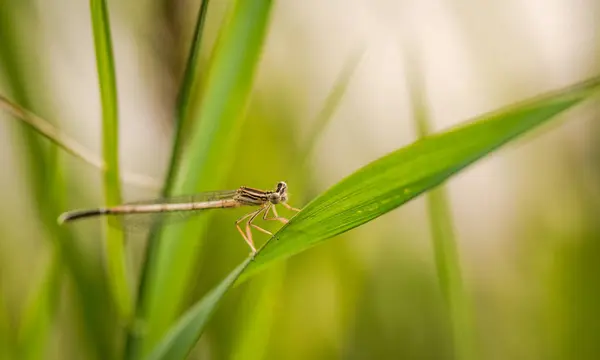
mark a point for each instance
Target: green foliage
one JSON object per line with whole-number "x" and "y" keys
{"x": 174, "y": 252}
{"x": 47, "y": 185}
{"x": 408, "y": 172}
{"x": 255, "y": 330}
{"x": 210, "y": 118}
{"x": 382, "y": 186}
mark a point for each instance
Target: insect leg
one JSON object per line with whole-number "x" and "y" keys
{"x": 268, "y": 208}
{"x": 277, "y": 217}
{"x": 247, "y": 239}
{"x": 249, "y": 223}
{"x": 287, "y": 206}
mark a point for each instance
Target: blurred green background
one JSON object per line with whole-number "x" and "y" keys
{"x": 526, "y": 220}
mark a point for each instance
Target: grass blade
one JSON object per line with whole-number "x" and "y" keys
{"x": 115, "y": 244}
{"x": 182, "y": 337}
{"x": 68, "y": 144}
{"x": 7, "y": 342}
{"x": 183, "y": 121}
{"x": 446, "y": 254}
{"x": 51, "y": 133}
{"x": 333, "y": 100}
{"x": 406, "y": 173}
{"x": 173, "y": 254}
{"x": 186, "y": 96}
{"x": 256, "y": 326}
{"x": 39, "y": 316}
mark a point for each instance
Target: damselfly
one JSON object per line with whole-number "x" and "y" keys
{"x": 244, "y": 196}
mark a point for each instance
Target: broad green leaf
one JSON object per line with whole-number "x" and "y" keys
{"x": 115, "y": 242}
{"x": 173, "y": 253}
{"x": 406, "y": 173}
{"x": 379, "y": 187}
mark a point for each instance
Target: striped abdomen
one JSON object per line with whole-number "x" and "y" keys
{"x": 147, "y": 208}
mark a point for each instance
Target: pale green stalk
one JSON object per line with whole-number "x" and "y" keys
{"x": 115, "y": 242}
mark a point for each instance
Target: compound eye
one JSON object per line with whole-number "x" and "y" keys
{"x": 281, "y": 186}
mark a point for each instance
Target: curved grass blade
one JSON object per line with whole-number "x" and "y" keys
{"x": 376, "y": 189}
{"x": 406, "y": 173}
{"x": 70, "y": 145}
{"x": 182, "y": 337}
{"x": 115, "y": 244}
{"x": 258, "y": 321}
{"x": 205, "y": 163}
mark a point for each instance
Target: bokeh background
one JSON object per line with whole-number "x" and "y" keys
{"x": 527, "y": 219}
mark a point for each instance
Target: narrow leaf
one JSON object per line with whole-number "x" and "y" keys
{"x": 182, "y": 337}
{"x": 7, "y": 341}
{"x": 406, "y": 173}
{"x": 186, "y": 94}
{"x": 258, "y": 319}
{"x": 115, "y": 248}
{"x": 70, "y": 145}
{"x": 445, "y": 249}
{"x": 39, "y": 316}
{"x": 334, "y": 97}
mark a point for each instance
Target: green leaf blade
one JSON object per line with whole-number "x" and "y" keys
{"x": 35, "y": 328}
{"x": 408, "y": 172}
{"x": 186, "y": 93}
{"x": 115, "y": 241}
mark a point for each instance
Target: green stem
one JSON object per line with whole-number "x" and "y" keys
{"x": 115, "y": 245}
{"x": 186, "y": 93}
{"x": 442, "y": 231}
